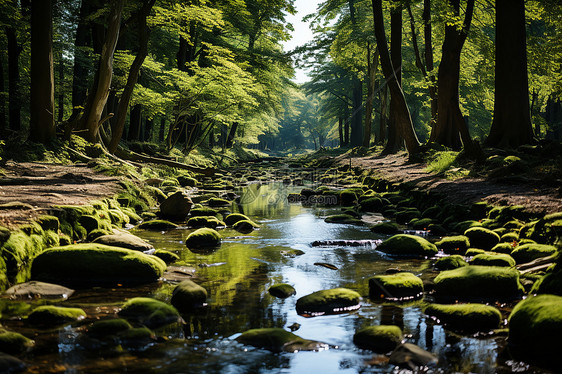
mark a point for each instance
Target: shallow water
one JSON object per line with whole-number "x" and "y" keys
{"x": 237, "y": 277}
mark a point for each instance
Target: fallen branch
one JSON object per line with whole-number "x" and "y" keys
{"x": 136, "y": 157}
{"x": 537, "y": 262}
{"x": 537, "y": 268}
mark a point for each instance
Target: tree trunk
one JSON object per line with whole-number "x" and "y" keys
{"x": 135, "y": 123}
{"x": 98, "y": 96}
{"x": 450, "y": 121}
{"x": 372, "y": 71}
{"x": 80, "y": 70}
{"x": 42, "y": 110}
{"x": 346, "y": 125}
{"x": 60, "y": 111}
{"x": 511, "y": 126}
{"x": 356, "y": 116}
{"x": 383, "y": 124}
{"x": 119, "y": 124}
{"x": 402, "y": 113}
{"x": 162, "y": 129}
{"x": 14, "y": 103}
{"x": 428, "y": 54}
{"x": 231, "y": 135}
{"x": 3, "y": 122}
{"x": 340, "y": 130}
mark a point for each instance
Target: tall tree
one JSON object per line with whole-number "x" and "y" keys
{"x": 2, "y": 97}
{"x": 403, "y": 118}
{"x": 372, "y": 66}
{"x": 98, "y": 96}
{"x": 14, "y": 95}
{"x": 511, "y": 126}
{"x": 42, "y": 123}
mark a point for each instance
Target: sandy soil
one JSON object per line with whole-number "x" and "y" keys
{"x": 537, "y": 197}
{"x": 43, "y": 185}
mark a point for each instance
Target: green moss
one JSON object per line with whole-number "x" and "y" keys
{"x": 497, "y": 259}
{"x": 380, "y": 339}
{"x": 503, "y": 248}
{"x": 337, "y": 300}
{"x": 272, "y": 339}
{"x": 348, "y": 197}
{"x": 437, "y": 229}
{"x": 482, "y": 238}
{"x": 406, "y": 215}
{"x": 149, "y": 312}
{"x": 471, "y": 283}
{"x": 94, "y": 234}
{"x": 372, "y": 204}
{"x": 203, "y": 238}
{"x": 550, "y": 283}
{"x": 450, "y": 262}
{"x": 245, "y": 226}
{"x": 465, "y": 225}
{"x": 51, "y": 239}
{"x": 118, "y": 217}
{"x": 95, "y": 264}
{"x": 18, "y": 251}
{"x": 204, "y": 211}
{"x": 400, "y": 286}
{"x": 529, "y": 252}
{"x": 32, "y": 228}
{"x": 64, "y": 240}
{"x": 543, "y": 230}
{"x": 188, "y": 295}
{"x": 49, "y": 223}
{"x": 218, "y": 202}
{"x": 473, "y": 252}
{"x": 134, "y": 218}
{"x": 535, "y": 327}
{"x": 48, "y": 315}
{"x": 108, "y": 327}
{"x": 282, "y": 290}
{"x": 231, "y": 219}
{"x": 344, "y": 219}
{"x": 158, "y": 225}
{"x": 204, "y": 221}
{"x": 407, "y": 245}
{"x": 186, "y": 181}
{"x": 454, "y": 244}
{"x": 166, "y": 256}
{"x": 422, "y": 223}
{"x": 466, "y": 317}
{"x": 509, "y": 237}
{"x": 14, "y": 343}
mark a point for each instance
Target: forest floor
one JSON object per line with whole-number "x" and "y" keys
{"x": 533, "y": 193}
{"x": 37, "y": 186}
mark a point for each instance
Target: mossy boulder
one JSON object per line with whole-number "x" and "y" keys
{"x": 450, "y": 262}
{"x": 529, "y": 252}
{"x": 95, "y": 264}
{"x": 18, "y": 250}
{"x": 231, "y": 219}
{"x": 14, "y": 343}
{"x": 48, "y": 222}
{"x": 166, "y": 256}
{"x": 544, "y": 230}
{"x": 188, "y": 295}
{"x": 437, "y": 229}
{"x": 399, "y": 286}
{"x": 108, "y": 327}
{"x": 186, "y": 181}
{"x": 503, "y": 248}
{"x": 535, "y": 327}
{"x": 482, "y": 238}
{"x": 278, "y": 340}
{"x": 203, "y": 211}
{"x": 204, "y": 221}
{"x": 465, "y": 225}
{"x": 496, "y": 259}
{"x": 379, "y": 339}
{"x": 466, "y": 317}
{"x": 406, "y": 215}
{"x": 176, "y": 207}
{"x": 203, "y": 238}
{"x": 421, "y": 224}
{"x": 245, "y": 226}
{"x": 387, "y": 228}
{"x": 216, "y": 202}
{"x": 150, "y": 312}
{"x": 49, "y": 315}
{"x": 479, "y": 283}
{"x": 348, "y": 197}
{"x": 471, "y": 252}
{"x": 372, "y": 204}
{"x": 282, "y": 290}
{"x": 509, "y": 237}
{"x": 550, "y": 283}
{"x": 157, "y": 225}
{"x": 333, "y": 301}
{"x": 125, "y": 240}
{"x": 343, "y": 218}
{"x": 408, "y": 246}
{"x": 454, "y": 245}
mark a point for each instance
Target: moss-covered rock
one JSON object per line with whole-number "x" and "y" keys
{"x": 466, "y": 317}
{"x": 482, "y": 238}
{"x": 421, "y": 224}
{"x": 503, "y": 248}
{"x": 118, "y": 217}
{"x": 535, "y": 327}
{"x": 108, "y": 327}
{"x": 372, "y": 204}
{"x": 282, "y": 290}
{"x": 343, "y": 218}
{"x": 348, "y": 197}
{"x": 48, "y": 315}
{"x": 407, "y": 245}
{"x": 216, "y": 202}
{"x": 48, "y": 222}
{"x": 406, "y": 215}
{"x": 204, "y": 221}
{"x": 471, "y": 252}
{"x": 203, "y": 238}
{"x": 399, "y": 286}
{"x": 245, "y": 226}
{"x": 454, "y": 244}
{"x": 186, "y": 181}
{"x": 387, "y": 228}
{"x": 18, "y": 250}
{"x": 529, "y": 252}
{"x": 231, "y": 219}
{"x": 509, "y": 237}
{"x": 176, "y": 207}
{"x": 188, "y": 295}
{"x": 14, "y": 343}
{"x": 203, "y": 211}
{"x": 496, "y": 259}
{"x": 336, "y": 300}
{"x": 543, "y": 230}
{"x": 450, "y": 262}
{"x": 166, "y": 256}
{"x": 278, "y": 340}
{"x": 95, "y": 264}
{"x": 479, "y": 283}
{"x": 149, "y": 312}
{"x": 125, "y": 240}
{"x": 158, "y": 225}
{"x": 465, "y": 225}
{"x": 550, "y": 283}
{"x": 380, "y": 339}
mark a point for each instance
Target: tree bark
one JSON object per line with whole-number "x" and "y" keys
{"x": 60, "y": 110}
{"x": 3, "y": 122}
{"x": 42, "y": 110}
{"x": 383, "y": 123}
{"x": 356, "y": 115}
{"x": 340, "y": 130}
{"x": 372, "y": 71}
{"x": 162, "y": 129}
{"x": 98, "y": 97}
{"x": 135, "y": 123}
{"x": 428, "y": 54}
{"x": 346, "y": 125}
{"x": 80, "y": 70}
{"x": 14, "y": 97}
{"x": 403, "y": 118}
{"x": 511, "y": 126}
{"x": 231, "y": 135}
{"x": 119, "y": 124}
